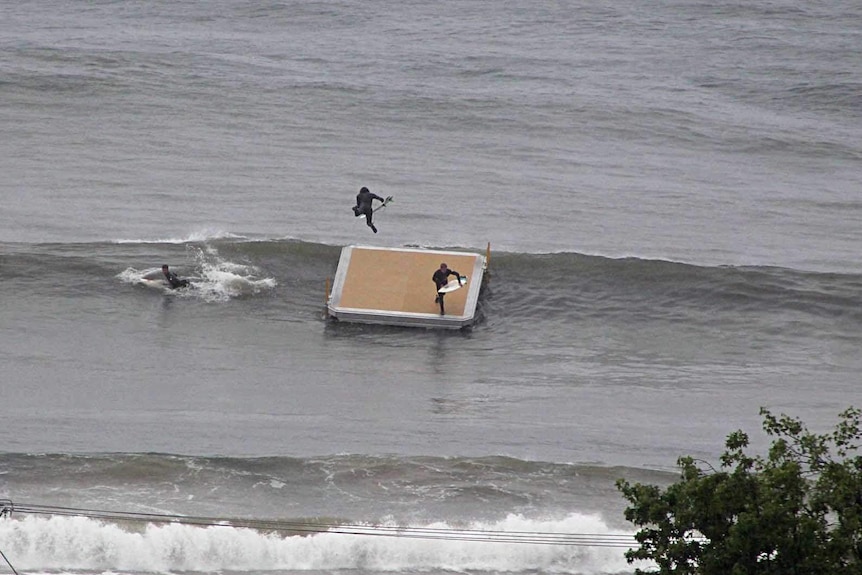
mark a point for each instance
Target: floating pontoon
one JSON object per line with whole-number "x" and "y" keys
{"x": 393, "y": 286}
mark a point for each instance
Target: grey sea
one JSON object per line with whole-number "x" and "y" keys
{"x": 672, "y": 196}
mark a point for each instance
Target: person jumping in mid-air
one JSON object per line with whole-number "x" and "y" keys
{"x": 172, "y": 278}
{"x": 441, "y": 278}
{"x": 363, "y": 206}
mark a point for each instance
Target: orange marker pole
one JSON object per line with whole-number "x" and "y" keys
{"x": 326, "y": 300}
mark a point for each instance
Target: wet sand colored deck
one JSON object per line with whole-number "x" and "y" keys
{"x": 393, "y": 286}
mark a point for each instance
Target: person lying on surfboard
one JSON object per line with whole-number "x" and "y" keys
{"x": 363, "y": 206}
{"x": 172, "y": 278}
{"x": 441, "y": 278}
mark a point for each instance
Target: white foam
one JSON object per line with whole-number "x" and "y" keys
{"x": 201, "y": 235}
{"x": 33, "y": 543}
{"x": 221, "y": 280}
{"x": 218, "y": 279}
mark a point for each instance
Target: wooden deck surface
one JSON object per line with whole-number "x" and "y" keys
{"x": 400, "y": 281}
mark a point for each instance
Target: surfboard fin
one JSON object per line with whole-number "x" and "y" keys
{"x": 386, "y": 202}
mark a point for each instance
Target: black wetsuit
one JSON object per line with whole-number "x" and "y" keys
{"x": 441, "y": 278}
{"x": 363, "y": 206}
{"x": 174, "y": 281}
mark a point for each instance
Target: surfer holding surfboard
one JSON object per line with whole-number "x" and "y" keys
{"x": 363, "y": 205}
{"x": 441, "y": 280}
{"x": 172, "y": 278}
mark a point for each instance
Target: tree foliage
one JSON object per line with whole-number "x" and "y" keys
{"x": 796, "y": 511}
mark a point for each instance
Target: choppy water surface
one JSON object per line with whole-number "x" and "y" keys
{"x": 670, "y": 193}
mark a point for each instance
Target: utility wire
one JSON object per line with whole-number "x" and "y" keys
{"x": 304, "y": 527}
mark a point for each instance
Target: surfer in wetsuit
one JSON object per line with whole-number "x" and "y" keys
{"x": 172, "y": 278}
{"x": 441, "y": 278}
{"x": 363, "y": 206}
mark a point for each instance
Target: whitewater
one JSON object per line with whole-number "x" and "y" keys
{"x": 669, "y": 190}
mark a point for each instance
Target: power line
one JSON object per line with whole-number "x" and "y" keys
{"x": 308, "y": 527}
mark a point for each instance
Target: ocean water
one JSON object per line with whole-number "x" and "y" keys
{"x": 671, "y": 196}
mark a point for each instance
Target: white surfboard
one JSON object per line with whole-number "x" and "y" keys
{"x": 386, "y": 202}
{"x": 453, "y": 285}
{"x": 155, "y": 280}
{"x": 154, "y": 283}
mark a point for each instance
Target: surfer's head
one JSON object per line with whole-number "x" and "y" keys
{"x": 363, "y": 190}
{"x": 165, "y": 268}
{"x": 443, "y": 266}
